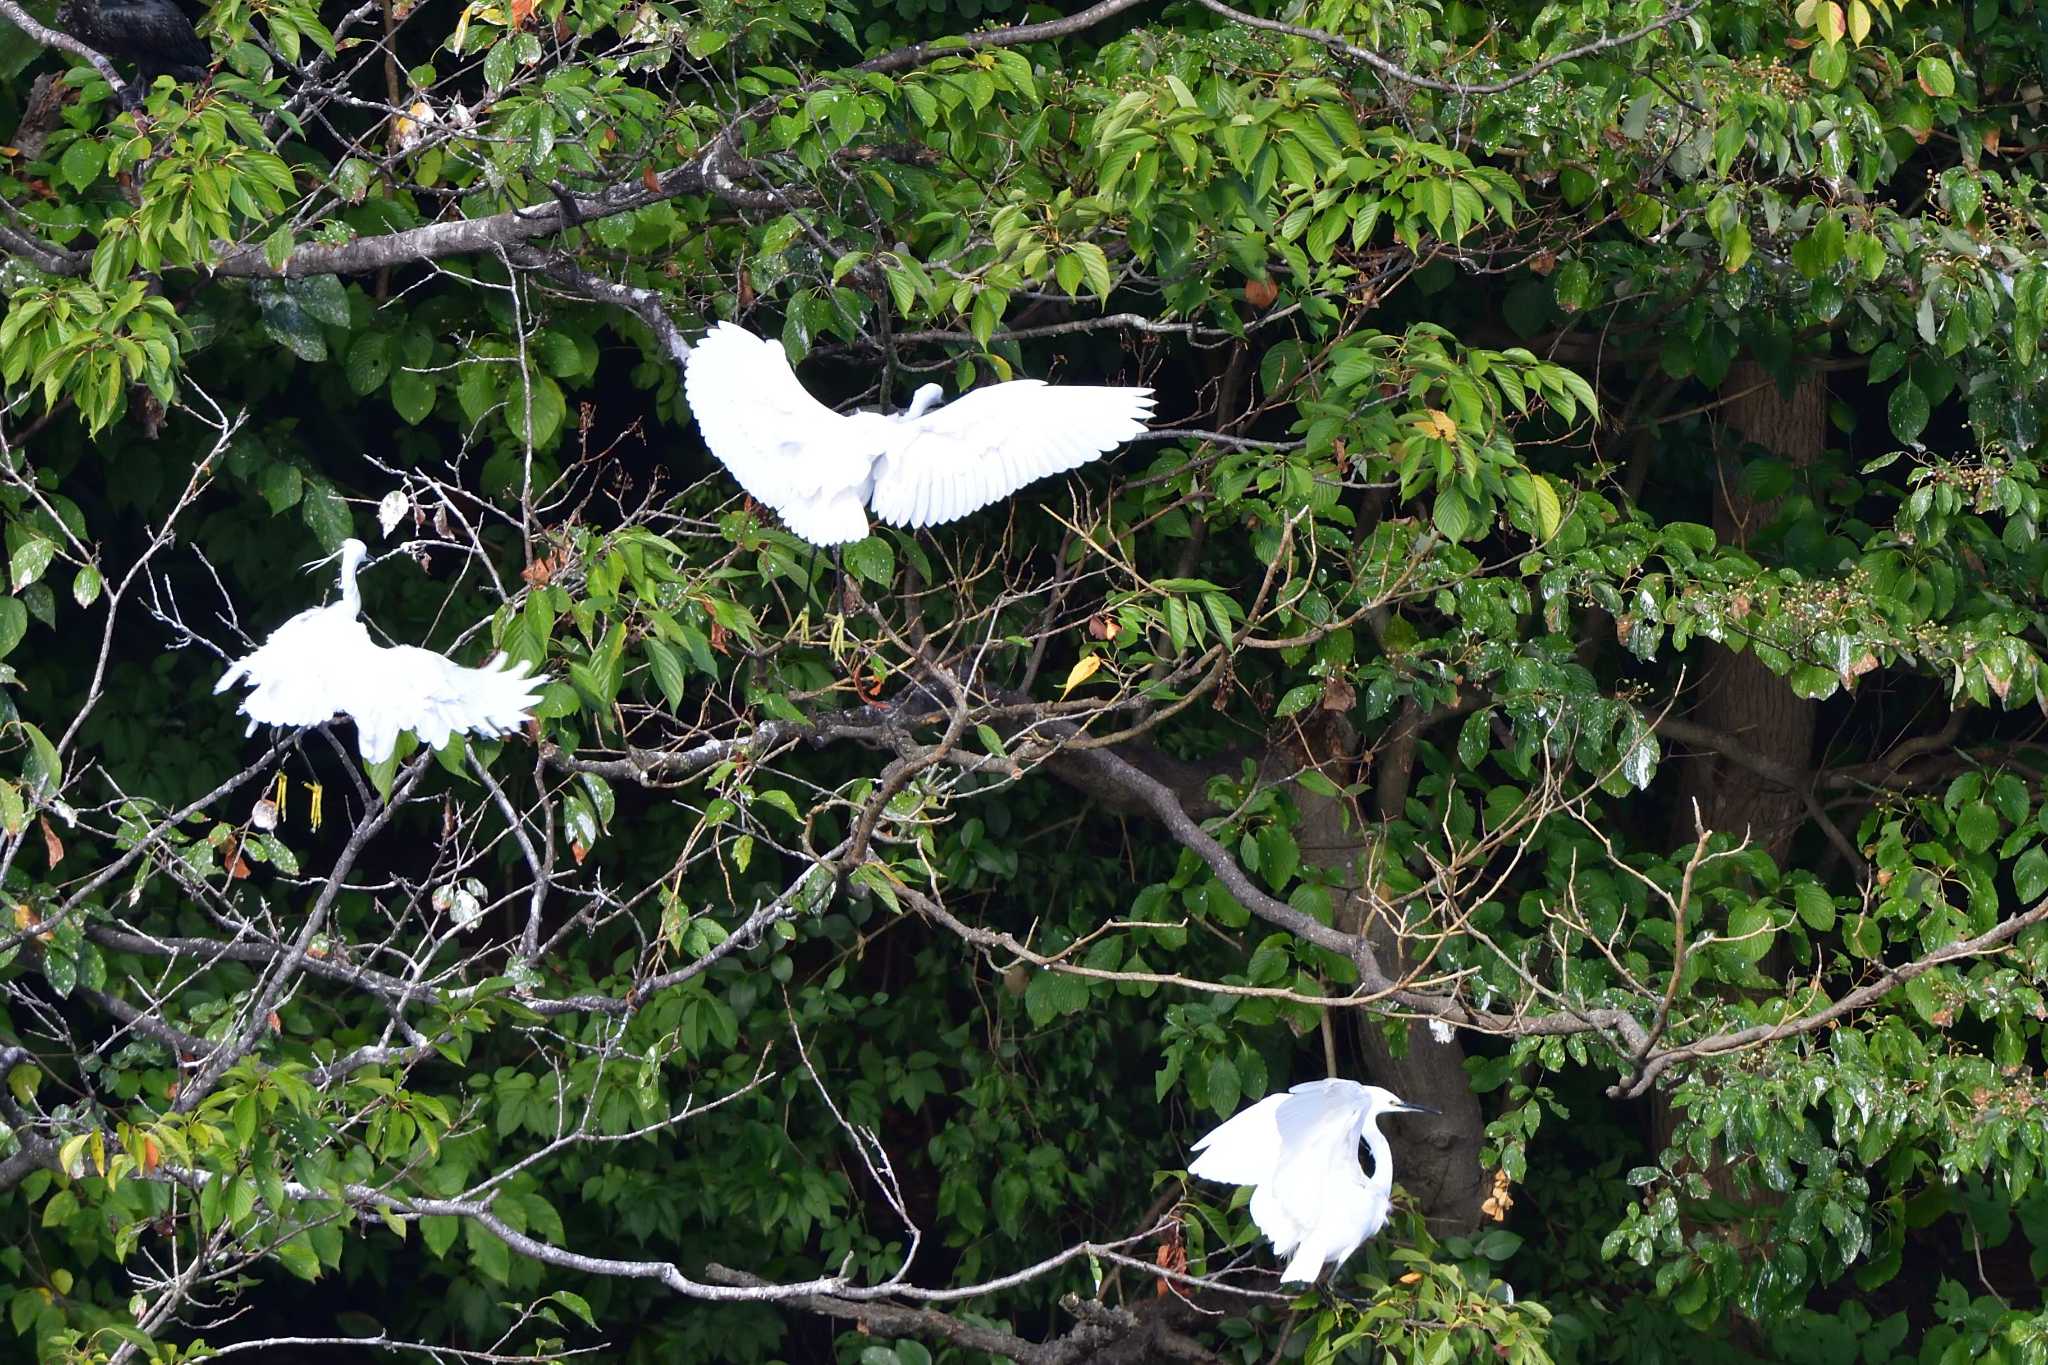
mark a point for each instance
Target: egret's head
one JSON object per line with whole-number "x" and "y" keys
{"x": 1385, "y": 1101}
{"x": 351, "y": 553}
{"x": 923, "y": 401}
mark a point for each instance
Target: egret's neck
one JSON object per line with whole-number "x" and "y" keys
{"x": 1381, "y": 1181}
{"x": 351, "y": 596}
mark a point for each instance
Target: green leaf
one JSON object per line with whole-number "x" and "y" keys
{"x": 323, "y": 297}
{"x": 2030, "y": 874}
{"x": 499, "y": 65}
{"x": 86, "y": 585}
{"x": 1052, "y": 994}
{"x": 1474, "y": 737}
{"x": 1908, "y": 410}
{"x": 1977, "y": 826}
{"x": 288, "y": 322}
{"x": 871, "y": 559}
{"x": 412, "y": 396}
{"x": 282, "y": 485}
{"x": 1453, "y": 516}
{"x": 28, "y": 561}
{"x": 1816, "y": 907}
{"x": 667, "y": 667}
{"x": 369, "y": 362}
{"x": 326, "y": 515}
{"x": 438, "y": 1231}
{"x": 1298, "y": 698}
{"x": 82, "y": 162}
{"x": 297, "y": 1256}
{"x": 13, "y": 624}
{"x": 1224, "y": 1088}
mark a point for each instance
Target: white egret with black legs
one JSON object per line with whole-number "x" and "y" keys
{"x": 323, "y": 662}
{"x": 823, "y": 471}
{"x": 1299, "y": 1153}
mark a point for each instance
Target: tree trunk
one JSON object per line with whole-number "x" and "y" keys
{"x": 1436, "y": 1159}
{"x": 1739, "y": 697}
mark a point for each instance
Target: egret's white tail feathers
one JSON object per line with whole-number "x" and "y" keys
{"x": 1306, "y": 1264}
{"x": 822, "y": 470}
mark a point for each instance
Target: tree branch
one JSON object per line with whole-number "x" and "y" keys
{"x": 1395, "y": 72}
{"x": 64, "y": 42}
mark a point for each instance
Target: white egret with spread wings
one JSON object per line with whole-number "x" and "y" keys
{"x": 823, "y": 471}
{"x": 1299, "y": 1153}
{"x": 323, "y": 662}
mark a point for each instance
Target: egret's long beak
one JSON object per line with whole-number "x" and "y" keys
{"x": 1418, "y": 1109}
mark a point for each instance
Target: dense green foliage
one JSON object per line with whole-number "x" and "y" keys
{"x": 1570, "y": 654}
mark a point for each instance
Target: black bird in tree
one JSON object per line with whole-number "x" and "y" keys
{"x": 154, "y": 34}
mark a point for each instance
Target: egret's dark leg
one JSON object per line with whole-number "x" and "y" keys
{"x": 810, "y": 568}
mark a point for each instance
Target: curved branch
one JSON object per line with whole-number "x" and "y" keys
{"x": 1395, "y": 72}
{"x": 64, "y": 42}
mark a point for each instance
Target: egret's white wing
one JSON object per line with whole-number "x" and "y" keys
{"x": 299, "y": 676}
{"x": 1317, "y": 1195}
{"x": 1244, "y": 1149}
{"x": 992, "y": 441}
{"x": 785, "y": 447}
{"x": 408, "y": 688}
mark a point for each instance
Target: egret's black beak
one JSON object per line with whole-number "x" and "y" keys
{"x": 1419, "y": 1109}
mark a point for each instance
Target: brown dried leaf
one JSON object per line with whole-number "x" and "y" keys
{"x": 54, "y": 847}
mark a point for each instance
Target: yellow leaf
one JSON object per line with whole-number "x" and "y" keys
{"x": 1439, "y": 424}
{"x": 1086, "y": 667}
{"x": 1859, "y": 20}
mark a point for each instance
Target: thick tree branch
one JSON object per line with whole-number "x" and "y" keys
{"x": 14, "y": 14}
{"x": 1395, "y": 72}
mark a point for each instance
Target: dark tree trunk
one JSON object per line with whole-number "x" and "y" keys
{"x": 1436, "y": 1159}
{"x": 1738, "y": 696}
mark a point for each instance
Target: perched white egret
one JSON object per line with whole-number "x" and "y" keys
{"x": 323, "y": 661}
{"x": 927, "y": 464}
{"x": 1299, "y": 1153}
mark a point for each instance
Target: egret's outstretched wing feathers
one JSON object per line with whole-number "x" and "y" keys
{"x": 992, "y": 441}
{"x": 1244, "y": 1149}
{"x": 408, "y": 688}
{"x": 785, "y": 447}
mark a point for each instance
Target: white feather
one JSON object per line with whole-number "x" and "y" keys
{"x": 322, "y": 663}
{"x": 821, "y": 470}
